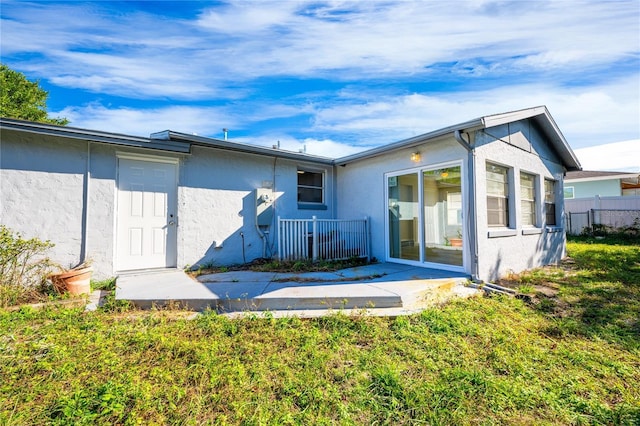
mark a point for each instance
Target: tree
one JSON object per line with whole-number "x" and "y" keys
{"x": 24, "y": 99}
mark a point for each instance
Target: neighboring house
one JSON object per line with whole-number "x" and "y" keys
{"x": 483, "y": 197}
{"x": 595, "y": 198}
{"x": 587, "y": 184}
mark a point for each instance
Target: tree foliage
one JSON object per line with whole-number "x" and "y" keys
{"x": 24, "y": 99}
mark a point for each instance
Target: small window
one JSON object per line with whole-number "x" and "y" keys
{"x": 310, "y": 187}
{"x": 569, "y": 193}
{"x": 550, "y": 202}
{"x": 528, "y": 199}
{"x": 497, "y": 195}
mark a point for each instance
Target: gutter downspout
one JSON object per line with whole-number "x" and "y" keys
{"x": 473, "y": 223}
{"x": 85, "y": 216}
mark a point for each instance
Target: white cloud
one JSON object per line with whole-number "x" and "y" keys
{"x": 243, "y": 40}
{"x": 577, "y": 52}
{"x": 615, "y": 105}
{"x": 617, "y": 156}
{"x": 185, "y": 119}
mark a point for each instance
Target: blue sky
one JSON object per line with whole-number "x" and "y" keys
{"x": 335, "y": 76}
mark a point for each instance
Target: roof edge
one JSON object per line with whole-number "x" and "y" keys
{"x": 239, "y": 147}
{"x": 408, "y": 143}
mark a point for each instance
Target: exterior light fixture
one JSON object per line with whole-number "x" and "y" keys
{"x": 415, "y": 157}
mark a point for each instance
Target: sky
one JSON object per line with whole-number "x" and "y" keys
{"x": 335, "y": 77}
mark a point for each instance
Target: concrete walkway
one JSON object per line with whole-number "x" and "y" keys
{"x": 380, "y": 289}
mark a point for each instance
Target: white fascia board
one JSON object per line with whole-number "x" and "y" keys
{"x": 611, "y": 177}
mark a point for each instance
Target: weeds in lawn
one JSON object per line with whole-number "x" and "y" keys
{"x": 473, "y": 361}
{"x": 267, "y": 265}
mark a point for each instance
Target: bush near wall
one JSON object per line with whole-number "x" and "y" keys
{"x": 24, "y": 267}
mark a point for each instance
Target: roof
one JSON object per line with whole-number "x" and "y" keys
{"x": 170, "y": 135}
{"x": 540, "y": 115}
{"x": 593, "y": 175}
{"x": 167, "y": 140}
{"x": 90, "y": 135}
{"x": 172, "y": 141}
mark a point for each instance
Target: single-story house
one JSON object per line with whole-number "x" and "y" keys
{"x": 484, "y": 197}
{"x": 589, "y": 183}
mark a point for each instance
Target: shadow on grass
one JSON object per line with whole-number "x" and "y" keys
{"x": 600, "y": 294}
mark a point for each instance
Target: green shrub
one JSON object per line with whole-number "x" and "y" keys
{"x": 23, "y": 266}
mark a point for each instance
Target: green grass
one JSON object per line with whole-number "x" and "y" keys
{"x": 572, "y": 360}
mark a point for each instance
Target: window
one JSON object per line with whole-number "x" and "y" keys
{"x": 569, "y": 192}
{"x": 550, "y": 201}
{"x": 310, "y": 187}
{"x": 528, "y": 199}
{"x": 497, "y": 195}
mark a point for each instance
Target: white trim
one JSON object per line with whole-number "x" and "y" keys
{"x": 150, "y": 158}
{"x": 504, "y": 232}
{"x": 465, "y": 228}
{"x": 146, "y": 157}
{"x": 609, "y": 177}
{"x": 531, "y": 231}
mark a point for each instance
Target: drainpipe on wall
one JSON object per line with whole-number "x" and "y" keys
{"x": 473, "y": 223}
{"x": 85, "y": 216}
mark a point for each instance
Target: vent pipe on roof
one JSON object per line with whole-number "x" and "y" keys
{"x": 226, "y": 133}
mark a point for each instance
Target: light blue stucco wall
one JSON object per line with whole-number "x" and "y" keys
{"x": 519, "y": 146}
{"x": 603, "y": 188}
{"x": 51, "y": 187}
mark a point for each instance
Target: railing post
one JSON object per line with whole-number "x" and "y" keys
{"x": 279, "y": 230}
{"x": 367, "y": 239}
{"x": 314, "y": 236}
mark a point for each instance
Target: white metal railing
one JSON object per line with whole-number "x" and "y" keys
{"x": 327, "y": 239}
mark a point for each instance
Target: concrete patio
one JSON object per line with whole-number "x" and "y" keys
{"x": 380, "y": 289}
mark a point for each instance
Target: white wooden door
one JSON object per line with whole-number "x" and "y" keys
{"x": 146, "y": 215}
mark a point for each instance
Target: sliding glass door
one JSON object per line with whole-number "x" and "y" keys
{"x": 425, "y": 211}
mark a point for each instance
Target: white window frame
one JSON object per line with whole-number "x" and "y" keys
{"x": 532, "y": 201}
{"x": 507, "y": 211}
{"x": 322, "y": 173}
{"x": 567, "y": 190}
{"x": 550, "y": 200}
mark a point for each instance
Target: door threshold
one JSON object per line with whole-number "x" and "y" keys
{"x": 147, "y": 271}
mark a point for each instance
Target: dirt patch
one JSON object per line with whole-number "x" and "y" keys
{"x": 540, "y": 287}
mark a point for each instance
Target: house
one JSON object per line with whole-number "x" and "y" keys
{"x": 610, "y": 200}
{"x": 588, "y": 183}
{"x": 483, "y": 197}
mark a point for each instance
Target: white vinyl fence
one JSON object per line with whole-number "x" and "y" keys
{"x": 326, "y": 239}
{"x": 611, "y": 212}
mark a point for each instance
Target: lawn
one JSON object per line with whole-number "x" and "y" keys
{"x": 570, "y": 358}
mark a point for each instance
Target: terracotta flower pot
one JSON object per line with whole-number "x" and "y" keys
{"x": 75, "y": 281}
{"x": 455, "y": 242}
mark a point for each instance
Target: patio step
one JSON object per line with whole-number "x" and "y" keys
{"x": 261, "y": 292}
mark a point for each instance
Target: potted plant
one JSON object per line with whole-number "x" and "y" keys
{"x": 456, "y": 242}
{"x": 75, "y": 281}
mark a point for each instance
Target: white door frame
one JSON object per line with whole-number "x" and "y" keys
{"x": 153, "y": 159}
{"x": 465, "y": 205}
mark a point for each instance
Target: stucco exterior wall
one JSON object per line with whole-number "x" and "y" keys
{"x": 217, "y": 202}
{"x": 45, "y": 189}
{"x": 41, "y": 191}
{"x": 520, "y": 147}
{"x": 361, "y": 185}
